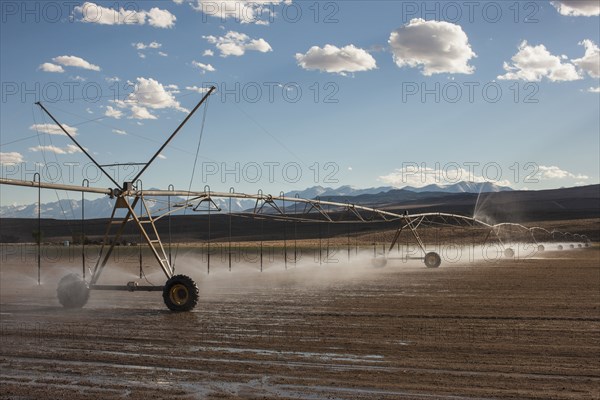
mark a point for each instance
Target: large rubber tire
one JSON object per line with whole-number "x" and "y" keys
{"x": 180, "y": 293}
{"x": 432, "y": 260}
{"x": 541, "y": 247}
{"x": 72, "y": 291}
{"x": 509, "y": 253}
{"x": 560, "y": 247}
{"x": 378, "y": 262}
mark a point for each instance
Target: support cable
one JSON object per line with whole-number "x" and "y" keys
{"x": 193, "y": 171}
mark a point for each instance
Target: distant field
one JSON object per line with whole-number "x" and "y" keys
{"x": 248, "y": 231}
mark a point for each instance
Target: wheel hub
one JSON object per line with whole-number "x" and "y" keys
{"x": 179, "y": 294}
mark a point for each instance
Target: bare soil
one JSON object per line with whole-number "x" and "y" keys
{"x": 525, "y": 328}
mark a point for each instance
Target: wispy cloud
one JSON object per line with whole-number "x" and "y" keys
{"x": 577, "y": 8}
{"x": 74, "y": 61}
{"x": 70, "y": 149}
{"x": 95, "y": 14}
{"x": 418, "y": 176}
{"x": 554, "y": 172}
{"x": 203, "y": 67}
{"x": 49, "y": 67}
{"x": 53, "y": 129}
{"x": 11, "y": 158}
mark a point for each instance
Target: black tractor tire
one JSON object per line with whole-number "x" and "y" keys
{"x": 72, "y": 291}
{"x": 180, "y": 293}
{"x": 432, "y": 260}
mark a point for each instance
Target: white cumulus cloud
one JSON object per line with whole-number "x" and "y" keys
{"x": 197, "y": 89}
{"x": 53, "y": 129}
{"x": 577, "y": 8}
{"x": 594, "y": 89}
{"x": 49, "y": 67}
{"x": 11, "y": 158}
{"x": 436, "y": 46}
{"x": 149, "y": 93}
{"x": 208, "y": 53}
{"x": 113, "y": 112}
{"x": 94, "y": 13}
{"x": 143, "y": 46}
{"x": 119, "y": 132}
{"x": 532, "y": 63}
{"x": 336, "y": 60}
{"x": 243, "y": 11}
{"x": 73, "y": 61}
{"x": 554, "y": 172}
{"x": 138, "y": 112}
{"x": 590, "y": 62}
{"x": 160, "y": 18}
{"x": 203, "y": 67}
{"x": 236, "y": 44}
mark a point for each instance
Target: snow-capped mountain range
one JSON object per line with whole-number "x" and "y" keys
{"x": 102, "y": 207}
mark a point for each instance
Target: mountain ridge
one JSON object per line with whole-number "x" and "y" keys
{"x": 102, "y": 207}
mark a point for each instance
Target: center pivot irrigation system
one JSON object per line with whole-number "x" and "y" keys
{"x": 180, "y": 292}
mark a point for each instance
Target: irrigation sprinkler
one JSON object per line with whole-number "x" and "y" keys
{"x": 180, "y": 292}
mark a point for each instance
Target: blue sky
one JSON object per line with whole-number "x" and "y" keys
{"x": 362, "y": 93}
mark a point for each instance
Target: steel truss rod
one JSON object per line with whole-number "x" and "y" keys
{"x": 173, "y": 134}
{"x": 396, "y": 236}
{"x": 413, "y": 222}
{"x": 57, "y": 186}
{"x": 123, "y": 164}
{"x": 413, "y": 229}
{"x": 311, "y": 204}
{"x": 154, "y": 242}
{"x": 104, "y": 257}
{"x": 77, "y": 144}
{"x": 316, "y": 204}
